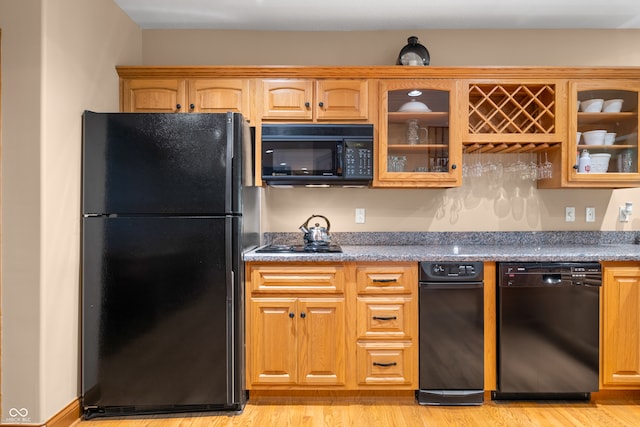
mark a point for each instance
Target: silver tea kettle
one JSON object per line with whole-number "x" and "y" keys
{"x": 316, "y": 235}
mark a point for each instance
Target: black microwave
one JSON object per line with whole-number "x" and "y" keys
{"x": 317, "y": 154}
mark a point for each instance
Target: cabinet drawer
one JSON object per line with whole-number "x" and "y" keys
{"x": 386, "y": 318}
{"x": 396, "y": 279}
{"x": 386, "y": 364}
{"x": 286, "y": 278}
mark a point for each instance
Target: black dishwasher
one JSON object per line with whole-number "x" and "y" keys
{"x": 451, "y": 333}
{"x": 548, "y": 330}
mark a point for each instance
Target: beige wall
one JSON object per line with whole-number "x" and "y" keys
{"x": 58, "y": 59}
{"x": 21, "y": 272}
{"x": 446, "y": 47}
{"x": 471, "y": 207}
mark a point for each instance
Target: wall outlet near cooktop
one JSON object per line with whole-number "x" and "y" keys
{"x": 569, "y": 214}
{"x": 590, "y": 214}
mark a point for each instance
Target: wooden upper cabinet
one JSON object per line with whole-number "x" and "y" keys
{"x": 186, "y": 96}
{"x": 419, "y": 143}
{"x": 220, "y": 95}
{"x": 317, "y": 100}
{"x": 287, "y": 99}
{"x": 342, "y": 99}
{"x": 620, "y": 155}
{"x": 153, "y": 96}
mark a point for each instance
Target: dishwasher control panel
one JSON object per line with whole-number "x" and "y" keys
{"x": 434, "y": 271}
{"x": 534, "y": 274}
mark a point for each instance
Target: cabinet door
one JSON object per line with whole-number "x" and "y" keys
{"x": 219, "y": 96}
{"x": 621, "y": 326}
{"x": 608, "y": 135}
{"x": 342, "y": 100}
{"x": 419, "y": 136}
{"x": 154, "y": 96}
{"x": 287, "y": 99}
{"x": 272, "y": 342}
{"x": 321, "y": 337}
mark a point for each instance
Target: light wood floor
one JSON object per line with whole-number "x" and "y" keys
{"x": 610, "y": 413}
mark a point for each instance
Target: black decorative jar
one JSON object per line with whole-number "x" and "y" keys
{"x": 413, "y": 53}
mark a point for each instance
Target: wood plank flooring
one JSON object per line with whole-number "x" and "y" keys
{"x": 607, "y": 413}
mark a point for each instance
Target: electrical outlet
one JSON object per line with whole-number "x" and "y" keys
{"x": 569, "y": 214}
{"x": 590, "y": 214}
{"x": 360, "y": 215}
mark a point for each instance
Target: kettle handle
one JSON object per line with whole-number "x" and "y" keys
{"x": 306, "y": 224}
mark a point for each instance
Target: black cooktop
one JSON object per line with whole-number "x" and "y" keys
{"x": 292, "y": 249}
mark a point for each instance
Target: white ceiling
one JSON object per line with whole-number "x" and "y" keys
{"x": 372, "y": 15}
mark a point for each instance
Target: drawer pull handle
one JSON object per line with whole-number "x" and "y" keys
{"x": 384, "y": 364}
{"x": 384, "y": 280}
{"x": 384, "y": 318}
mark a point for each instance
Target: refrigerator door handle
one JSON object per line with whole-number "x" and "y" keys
{"x": 231, "y": 326}
{"x": 228, "y": 198}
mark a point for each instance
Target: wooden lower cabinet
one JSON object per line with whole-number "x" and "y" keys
{"x": 387, "y": 325}
{"x": 296, "y": 326}
{"x": 620, "y": 326}
{"x": 332, "y": 326}
{"x": 297, "y": 341}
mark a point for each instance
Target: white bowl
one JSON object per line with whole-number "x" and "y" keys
{"x": 600, "y": 162}
{"x": 612, "y": 105}
{"x": 594, "y": 137}
{"x": 592, "y": 105}
{"x": 609, "y": 138}
{"x": 414, "y": 105}
{"x": 578, "y": 135}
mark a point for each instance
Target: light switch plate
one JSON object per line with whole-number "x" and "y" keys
{"x": 590, "y": 214}
{"x": 569, "y": 214}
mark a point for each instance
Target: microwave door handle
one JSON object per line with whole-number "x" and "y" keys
{"x": 340, "y": 158}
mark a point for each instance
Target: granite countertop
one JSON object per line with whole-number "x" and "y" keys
{"x": 474, "y": 246}
{"x": 606, "y": 252}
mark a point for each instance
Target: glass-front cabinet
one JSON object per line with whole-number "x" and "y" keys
{"x": 603, "y": 134}
{"x": 418, "y": 144}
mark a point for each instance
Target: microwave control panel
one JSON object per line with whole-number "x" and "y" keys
{"x": 358, "y": 158}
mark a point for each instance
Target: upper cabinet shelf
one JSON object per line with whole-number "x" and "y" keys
{"x": 431, "y": 119}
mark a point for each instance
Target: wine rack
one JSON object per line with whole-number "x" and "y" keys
{"x": 500, "y": 109}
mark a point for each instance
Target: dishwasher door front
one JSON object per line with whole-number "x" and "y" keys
{"x": 548, "y": 341}
{"x": 451, "y": 344}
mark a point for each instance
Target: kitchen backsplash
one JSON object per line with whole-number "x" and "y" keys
{"x": 468, "y": 238}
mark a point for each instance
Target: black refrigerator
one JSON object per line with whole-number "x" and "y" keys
{"x": 166, "y": 214}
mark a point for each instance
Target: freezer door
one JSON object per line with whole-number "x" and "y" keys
{"x": 141, "y": 163}
{"x": 160, "y": 313}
